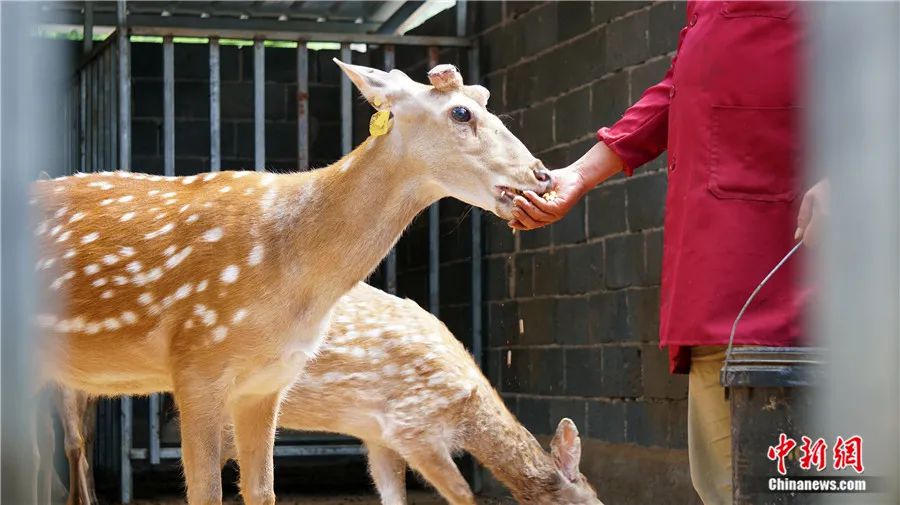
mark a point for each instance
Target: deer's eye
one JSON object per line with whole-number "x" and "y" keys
{"x": 461, "y": 114}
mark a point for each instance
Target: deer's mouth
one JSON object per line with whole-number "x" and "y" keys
{"x": 506, "y": 194}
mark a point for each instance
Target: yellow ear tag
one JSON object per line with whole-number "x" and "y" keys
{"x": 380, "y": 123}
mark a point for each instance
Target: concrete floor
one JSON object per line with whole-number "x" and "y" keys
{"x": 415, "y": 498}
{"x": 338, "y": 481}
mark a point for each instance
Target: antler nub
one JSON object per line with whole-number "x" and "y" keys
{"x": 445, "y": 77}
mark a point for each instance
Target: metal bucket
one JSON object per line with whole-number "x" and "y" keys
{"x": 769, "y": 392}
{"x": 770, "y": 397}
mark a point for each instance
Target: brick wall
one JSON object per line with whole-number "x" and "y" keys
{"x": 571, "y": 311}
{"x": 237, "y": 137}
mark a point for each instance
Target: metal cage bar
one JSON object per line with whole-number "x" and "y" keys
{"x": 82, "y": 120}
{"x": 123, "y": 53}
{"x": 346, "y": 103}
{"x": 390, "y": 263}
{"x": 99, "y": 161}
{"x": 88, "y": 119}
{"x": 105, "y": 157}
{"x": 104, "y": 111}
{"x": 97, "y": 111}
{"x": 477, "y": 344}
{"x": 169, "y": 170}
{"x": 168, "y": 107}
{"x": 125, "y": 449}
{"x": 475, "y": 216}
{"x": 99, "y": 114}
{"x": 92, "y": 117}
{"x": 287, "y": 35}
{"x": 124, "y": 57}
{"x": 215, "y": 111}
{"x": 67, "y": 132}
{"x": 259, "y": 105}
{"x": 434, "y": 230}
{"x": 280, "y": 451}
{"x": 64, "y": 105}
{"x": 302, "y": 106}
{"x": 87, "y": 42}
{"x": 229, "y": 26}
{"x": 113, "y": 108}
{"x": 153, "y": 415}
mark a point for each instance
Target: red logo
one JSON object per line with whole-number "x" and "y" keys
{"x": 781, "y": 451}
{"x": 813, "y": 454}
{"x": 846, "y": 453}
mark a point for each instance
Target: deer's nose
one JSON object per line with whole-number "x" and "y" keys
{"x": 542, "y": 174}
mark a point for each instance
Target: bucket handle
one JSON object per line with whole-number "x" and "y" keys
{"x": 750, "y": 299}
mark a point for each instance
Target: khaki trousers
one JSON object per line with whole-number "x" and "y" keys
{"x": 709, "y": 427}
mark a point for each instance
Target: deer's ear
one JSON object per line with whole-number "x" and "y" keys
{"x": 566, "y": 449}
{"x": 380, "y": 88}
{"x": 478, "y": 93}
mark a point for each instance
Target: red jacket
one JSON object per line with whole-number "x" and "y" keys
{"x": 727, "y": 112}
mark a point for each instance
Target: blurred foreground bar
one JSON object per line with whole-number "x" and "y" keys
{"x": 854, "y": 119}
{"x": 31, "y": 69}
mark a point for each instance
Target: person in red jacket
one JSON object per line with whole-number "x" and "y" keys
{"x": 728, "y": 112}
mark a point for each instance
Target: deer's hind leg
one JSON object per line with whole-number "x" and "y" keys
{"x": 436, "y": 465}
{"x": 72, "y": 407}
{"x": 89, "y": 434}
{"x": 388, "y": 470}
{"x": 44, "y": 439}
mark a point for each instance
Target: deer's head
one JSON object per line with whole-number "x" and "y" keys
{"x": 447, "y": 134}
{"x": 572, "y": 486}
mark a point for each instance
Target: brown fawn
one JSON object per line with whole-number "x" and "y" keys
{"x": 392, "y": 375}
{"x": 218, "y": 287}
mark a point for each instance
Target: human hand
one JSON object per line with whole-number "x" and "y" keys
{"x": 533, "y": 211}
{"x": 569, "y": 185}
{"x": 813, "y": 210}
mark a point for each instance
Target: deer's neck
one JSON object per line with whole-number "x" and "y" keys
{"x": 355, "y": 211}
{"x": 510, "y": 452}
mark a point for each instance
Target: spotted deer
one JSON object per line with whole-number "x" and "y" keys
{"x": 218, "y": 287}
{"x": 392, "y": 375}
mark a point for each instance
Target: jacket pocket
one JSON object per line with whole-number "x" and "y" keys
{"x": 754, "y": 153}
{"x": 764, "y": 8}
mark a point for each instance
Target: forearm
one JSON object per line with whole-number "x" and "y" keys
{"x": 597, "y": 165}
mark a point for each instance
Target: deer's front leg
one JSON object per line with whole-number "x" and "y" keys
{"x": 228, "y": 451}
{"x": 201, "y": 405}
{"x": 255, "y": 418}
{"x": 438, "y": 468}
{"x": 388, "y": 470}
